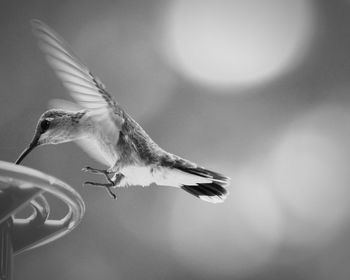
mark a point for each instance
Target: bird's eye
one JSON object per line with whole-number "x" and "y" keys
{"x": 44, "y": 125}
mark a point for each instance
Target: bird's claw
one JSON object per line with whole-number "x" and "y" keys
{"x": 107, "y": 186}
{"x": 94, "y": 170}
{"x": 106, "y": 173}
{"x": 111, "y": 181}
{"x": 86, "y": 169}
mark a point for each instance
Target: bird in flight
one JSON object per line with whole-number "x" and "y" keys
{"x": 109, "y": 134}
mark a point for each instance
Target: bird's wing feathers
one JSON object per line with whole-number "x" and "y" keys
{"x": 91, "y": 147}
{"x": 84, "y": 87}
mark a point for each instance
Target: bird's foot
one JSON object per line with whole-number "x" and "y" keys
{"x": 104, "y": 172}
{"x": 96, "y": 171}
{"x": 108, "y": 186}
{"x": 112, "y": 181}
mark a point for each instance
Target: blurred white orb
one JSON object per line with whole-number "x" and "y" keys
{"x": 310, "y": 172}
{"x": 257, "y": 203}
{"x": 236, "y": 238}
{"x": 230, "y": 42}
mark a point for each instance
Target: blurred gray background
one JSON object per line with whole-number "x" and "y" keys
{"x": 258, "y": 90}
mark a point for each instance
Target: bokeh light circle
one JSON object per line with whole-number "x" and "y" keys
{"x": 310, "y": 172}
{"x": 224, "y": 43}
{"x": 236, "y": 238}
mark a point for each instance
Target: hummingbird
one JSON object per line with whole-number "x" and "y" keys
{"x": 97, "y": 123}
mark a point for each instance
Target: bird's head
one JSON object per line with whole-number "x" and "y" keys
{"x": 54, "y": 127}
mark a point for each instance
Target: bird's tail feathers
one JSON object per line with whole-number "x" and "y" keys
{"x": 207, "y": 185}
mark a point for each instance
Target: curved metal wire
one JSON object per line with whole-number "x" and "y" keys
{"x": 18, "y": 186}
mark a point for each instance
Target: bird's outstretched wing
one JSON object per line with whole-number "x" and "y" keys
{"x": 85, "y": 88}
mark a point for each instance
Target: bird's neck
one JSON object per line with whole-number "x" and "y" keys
{"x": 84, "y": 124}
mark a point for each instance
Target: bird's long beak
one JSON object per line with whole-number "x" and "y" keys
{"x": 33, "y": 144}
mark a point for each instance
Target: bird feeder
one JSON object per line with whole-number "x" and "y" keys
{"x": 21, "y": 187}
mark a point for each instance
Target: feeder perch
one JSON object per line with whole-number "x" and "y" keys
{"x": 20, "y": 187}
